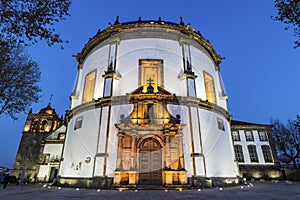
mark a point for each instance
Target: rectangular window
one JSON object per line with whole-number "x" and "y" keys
{"x": 186, "y": 57}
{"x": 267, "y": 153}
{"x": 61, "y": 136}
{"x": 78, "y": 123}
{"x": 89, "y": 86}
{"x": 263, "y": 136}
{"x": 221, "y": 125}
{"x": 249, "y": 136}
{"x": 238, "y": 149}
{"x": 191, "y": 87}
{"x": 209, "y": 88}
{"x": 107, "y": 87}
{"x": 151, "y": 71}
{"x": 252, "y": 153}
{"x": 112, "y": 57}
{"x": 236, "y": 136}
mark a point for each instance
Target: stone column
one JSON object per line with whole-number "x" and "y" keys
{"x": 120, "y": 144}
{"x": 133, "y": 152}
{"x": 167, "y": 151}
{"x": 180, "y": 150}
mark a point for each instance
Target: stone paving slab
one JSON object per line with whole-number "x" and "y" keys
{"x": 253, "y": 190}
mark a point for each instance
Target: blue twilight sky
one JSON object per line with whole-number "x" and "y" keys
{"x": 260, "y": 71}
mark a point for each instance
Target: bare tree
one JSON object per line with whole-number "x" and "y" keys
{"x": 289, "y": 14}
{"x": 287, "y": 138}
{"x": 24, "y": 22}
{"x": 19, "y": 77}
{"x": 32, "y": 20}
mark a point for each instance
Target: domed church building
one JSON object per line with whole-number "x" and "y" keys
{"x": 148, "y": 108}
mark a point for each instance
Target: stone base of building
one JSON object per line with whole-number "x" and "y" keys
{"x": 258, "y": 172}
{"x": 204, "y": 182}
{"x": 95, "y": 182}
{"x": 169, "y": 178}
{"x": 108, "y": 182}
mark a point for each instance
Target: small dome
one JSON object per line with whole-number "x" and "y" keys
{"x": 47, "y": 110}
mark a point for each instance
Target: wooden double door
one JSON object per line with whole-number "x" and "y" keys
{"x": 150, "y": 163}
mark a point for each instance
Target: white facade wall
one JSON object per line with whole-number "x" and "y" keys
{"x": 55, "y": 151}
{"x": 80, "y": 145}
{"x": 217, "y": 146}
{"x": 43, "y": 171}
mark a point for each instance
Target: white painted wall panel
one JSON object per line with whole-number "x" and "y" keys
{"x": 80, "y": 145}
{"x": 43, "y": 171}
{"x": 187, "y": 145}
{"x": 103, "y": 130}
{"x": 217, "y": 146}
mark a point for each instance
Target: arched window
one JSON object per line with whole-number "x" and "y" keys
{"x": 238, "y": 149}
{"x": 252, "y": 153}
{"x": 34, "y": 126}
{"x": 267, "y": 153}
{"x": 43, "y": 124}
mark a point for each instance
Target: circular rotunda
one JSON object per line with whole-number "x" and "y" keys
{"x": 148, "y": 108}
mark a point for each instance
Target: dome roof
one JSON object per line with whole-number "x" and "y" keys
{"x": 47, "y": 110}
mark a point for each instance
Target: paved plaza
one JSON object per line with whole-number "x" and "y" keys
{"x": 253, "y": 190}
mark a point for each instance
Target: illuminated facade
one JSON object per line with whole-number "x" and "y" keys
{"x": 148, "y": 108}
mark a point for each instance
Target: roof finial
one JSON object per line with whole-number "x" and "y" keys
{"x": 139, "y": 20}
{"x": 181, "y": 21}
{"x": 117, "y": 20}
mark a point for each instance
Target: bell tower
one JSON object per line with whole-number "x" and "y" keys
{"x": 38, "y": 126}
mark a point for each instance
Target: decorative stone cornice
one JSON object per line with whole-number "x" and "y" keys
{"x": 158, "y": 25}
{"x": 129, "y": 99}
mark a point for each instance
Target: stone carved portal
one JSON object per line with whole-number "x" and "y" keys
{"x": 150, "y": 141}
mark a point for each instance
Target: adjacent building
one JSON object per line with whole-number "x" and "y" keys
{"x": 255, "y": 150}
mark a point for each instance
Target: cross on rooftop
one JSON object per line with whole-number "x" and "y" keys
{"x": 150, "y": 80}
{"x": 51, "y": 98}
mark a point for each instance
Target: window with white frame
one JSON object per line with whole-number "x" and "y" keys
{"x": 78, "y": 123}
{"x": 107, "y": 87}
{"x": 252, "y": 153}
{"x": 238, "y": 149}
{"x": 221, "y": 125}
{"x": 186, "y": 54}
{"x": 249, "y": 136}
{"x": 263, "y": 136}
{"x": 191, "y": 87}
{"x": 236, "y": 136}
{"x": 266, "y": 150}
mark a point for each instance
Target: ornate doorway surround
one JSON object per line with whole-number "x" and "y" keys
{"x": 150, "y": 141}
